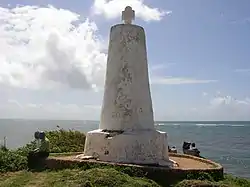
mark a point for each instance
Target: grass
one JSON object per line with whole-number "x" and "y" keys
{"x": 13, "y": 170}
{"x": 76, "y": 177}
{"x": 98, "y": 177}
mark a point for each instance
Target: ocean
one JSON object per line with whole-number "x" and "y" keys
{"x": 225, "y": 142}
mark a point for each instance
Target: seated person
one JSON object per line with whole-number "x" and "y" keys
{"x": 37, "y": 139}
{"x": 44, "y": 147}
{"x": 193, "y": 146}
{"x": 42, "y": 150}
{"x": 186, "y": 147}
{"x": 195, "y": 151}
{"x": 173, "y": 150}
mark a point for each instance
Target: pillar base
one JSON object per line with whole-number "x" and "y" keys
{"x": 147, "y": 147}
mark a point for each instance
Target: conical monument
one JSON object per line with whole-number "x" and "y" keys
{"x": 126, "y": 132}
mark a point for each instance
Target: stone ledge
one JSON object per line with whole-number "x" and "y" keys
{"x": 135, "y": 147}
{"x": 203, "y": 160}
{"x": 162, "y": 175}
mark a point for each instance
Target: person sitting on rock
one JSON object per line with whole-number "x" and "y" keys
{"x": 41, "y": 152}
{"x": 173, "y": 150}
{"x": 44, "y": 147}
{"x": 194, "y": 149}
{"x": 186, "y": 147}
{"x": 193, "y": 146}
{"x": 37, "y": 139}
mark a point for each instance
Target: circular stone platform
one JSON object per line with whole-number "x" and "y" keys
{"x": 187, "y": 164}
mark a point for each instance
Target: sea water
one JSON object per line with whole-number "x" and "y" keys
{"x": 225, "y": 142}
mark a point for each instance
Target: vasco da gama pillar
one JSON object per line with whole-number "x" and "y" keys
{"x": 126, "y": 132}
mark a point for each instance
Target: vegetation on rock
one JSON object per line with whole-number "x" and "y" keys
{"x": 61, "y": 141}
{"x": 12, "y": 161}
{"x": 101, "y": 177}
{"x": 76, "y": 177}
{"x": 91, "y": 175}
{"x": 229, "y": 181}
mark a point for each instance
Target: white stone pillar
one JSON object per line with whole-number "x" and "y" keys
{"x": 127, "y": 103}
{"x": 126, "y": 133}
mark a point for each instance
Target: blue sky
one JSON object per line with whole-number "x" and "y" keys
{"x": 197, "y": 54}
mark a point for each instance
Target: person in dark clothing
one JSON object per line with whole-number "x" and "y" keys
{"x": 41, "y": 152}
{"x": 186, "y": 145}
{"x": 193, "y": 146}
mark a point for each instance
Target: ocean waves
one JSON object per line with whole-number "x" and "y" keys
{"x": 239, "y": 124}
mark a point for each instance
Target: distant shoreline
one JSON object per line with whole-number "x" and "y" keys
{"x": 157, "y": 121}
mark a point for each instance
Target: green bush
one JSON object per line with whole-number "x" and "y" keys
{"x": 236, "y": 181}
{"x": 75, "y": 177}
{"x": 26, "y": 149}
{"x": 112, "y": 177}
{"x": 197, "y": 183}
{"x": 199, "y": 176}
{"x": 3, "y": 148}
{"x": 61, "y": 141}
{"x": 12, "y": 161}
{"x": 205, "y": 181}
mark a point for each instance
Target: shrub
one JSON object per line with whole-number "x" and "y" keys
{"x": 197, "y": 183}
{"x": 112, "y": 177}
{"x": 60, "y": 141}
{"x": 236, "y": 181}
{"x": 75, "y": 177}
{"x": 12, "y": 161}
{"x": 26, "y": 149}
{"x": 3, "y": 148}
{"x": 199, "y": 176}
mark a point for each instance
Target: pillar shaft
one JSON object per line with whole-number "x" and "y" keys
{"x": 127, "y": 103}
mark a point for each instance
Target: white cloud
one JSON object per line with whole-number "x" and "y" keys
{"x": 113, "y": 8}
{"x": 242, "y": 70}
{"x": 12, "y": 102}
{"x": 178, "y": 80}
{"x": 228, "y": 100}
{"x": 49, "y": 47}
{"x": 15, "y": 109}
{"x": 160, "y": 67}
{"x": 204, "y": 94}
{"x": 229, "y": 108}
{"x": 245, "y": 20}
{"x": 157, "y": 76}
{"x": 215, "y": 108}
{"x": 224, "y": 108}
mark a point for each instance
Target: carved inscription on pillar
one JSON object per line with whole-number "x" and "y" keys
{"x": 123, "y": 101}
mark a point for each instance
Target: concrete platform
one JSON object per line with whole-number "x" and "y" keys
{"x": 186, "y": 165}
{"x": 134, "y": 147}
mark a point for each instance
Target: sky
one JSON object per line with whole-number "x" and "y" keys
{"x": 53, "y": 57}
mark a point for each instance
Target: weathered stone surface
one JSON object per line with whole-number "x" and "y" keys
{"x": 126, "y": 133}
{"x": 127, "y": 103}
{"x": 138, "y": 147}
